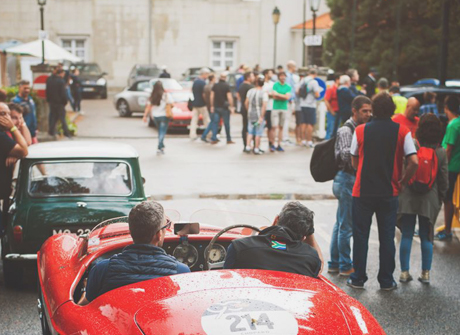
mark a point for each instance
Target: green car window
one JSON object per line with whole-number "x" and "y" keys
{"x": 84, "y": 178}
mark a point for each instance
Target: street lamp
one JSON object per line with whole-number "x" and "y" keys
{"x": 276, "y": 19}
{"x": 314, "y": 7}
{"x": 42, "y": 3}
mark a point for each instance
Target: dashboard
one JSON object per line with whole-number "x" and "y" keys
{"x": 192, "y": 253}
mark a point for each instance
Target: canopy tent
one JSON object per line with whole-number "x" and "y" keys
{"x": 53, "y": 52}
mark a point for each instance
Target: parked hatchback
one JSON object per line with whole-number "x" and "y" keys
{"x": 93, "y": 82}
{"x": 141, "y": 72}
{"x": 67, "y": 187}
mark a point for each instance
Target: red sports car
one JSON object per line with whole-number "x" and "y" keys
{"x": 217, "y": 302}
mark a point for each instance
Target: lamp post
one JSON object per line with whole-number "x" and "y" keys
{"x": 276, "y": 19}
{"x": 303, "y": 31}
{"x": 42, "y": 4}
{"x": 314, "y": 7}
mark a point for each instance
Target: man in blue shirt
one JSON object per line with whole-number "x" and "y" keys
{"x": 27, "y": 103}
{"x": 143, "y": 260}
{"x": 199, "y": 102}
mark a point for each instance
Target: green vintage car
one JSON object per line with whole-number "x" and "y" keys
{"x": 67, "y": 187}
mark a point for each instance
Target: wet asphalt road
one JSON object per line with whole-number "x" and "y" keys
{"x": 412, "y": 309}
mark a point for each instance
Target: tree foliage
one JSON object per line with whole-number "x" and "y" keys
{"x": 417, "y": 41}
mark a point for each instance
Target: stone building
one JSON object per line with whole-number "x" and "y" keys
{"x": 177, "y": 33}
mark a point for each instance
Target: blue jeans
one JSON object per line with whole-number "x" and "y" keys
{"x": 162, "y": 124}
{"x": 340, "y": 249}
{"x": 223, "y": 113}
{"x": 385, "y": 209}
{"x": 407, "y": 229}
{"x": 330, "y": 122}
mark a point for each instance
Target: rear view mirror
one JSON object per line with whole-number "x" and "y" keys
{"x": 183, "y": 229}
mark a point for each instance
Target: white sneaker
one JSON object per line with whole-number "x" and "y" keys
{"x": 304, "y": 143}
{"x": 310, "y": 144}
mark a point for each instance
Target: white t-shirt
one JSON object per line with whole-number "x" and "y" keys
{"x": 268, "y": 89}
{"x": 409, "y": 146}
{"x": 158, "y": 111}
{"x": 312, "y": 88}
{"x": 256, "y": 98}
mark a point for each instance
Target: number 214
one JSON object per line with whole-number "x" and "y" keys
{"x": 252, "y": 323}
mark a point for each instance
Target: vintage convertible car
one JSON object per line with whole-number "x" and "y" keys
{"x": 202, "y": 302}
{"x": 66, "y": 187}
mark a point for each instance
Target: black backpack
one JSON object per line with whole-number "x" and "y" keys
{"x": 323, "y": 165}
{"x": 303, "y": 90}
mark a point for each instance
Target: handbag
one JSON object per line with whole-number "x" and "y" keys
{"x": 169, "y": 113}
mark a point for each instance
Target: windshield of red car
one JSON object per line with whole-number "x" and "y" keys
{"x": 181, "y": 96}
{"x": 86, "y": 178}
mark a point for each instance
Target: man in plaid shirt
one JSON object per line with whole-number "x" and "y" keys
{"x": 342, "y": 187}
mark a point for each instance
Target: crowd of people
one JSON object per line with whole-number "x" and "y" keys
{"x": 400, "y": 167}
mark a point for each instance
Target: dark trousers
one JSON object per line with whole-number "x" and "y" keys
{"x": 244, "y": 131}
{"x": 385, "y": 209}
{"x": 77, "y": 99}
{"x": 57, "y": 113}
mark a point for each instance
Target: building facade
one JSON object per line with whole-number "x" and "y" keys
{"x": 117, "y": 34}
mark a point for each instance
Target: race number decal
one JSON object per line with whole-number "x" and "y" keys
{"x": 248, "y": 317}
{"x": 142, "y": 101}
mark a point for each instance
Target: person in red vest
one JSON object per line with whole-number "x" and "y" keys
{"x": 409, "y": 118}
{"x": 378, "y": 149}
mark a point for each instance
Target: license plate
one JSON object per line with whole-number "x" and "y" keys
{"x": 70, "y": 230}
{"x": 88, "y": 89}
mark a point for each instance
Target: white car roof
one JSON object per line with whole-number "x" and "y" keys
{"x": 81, "y": 149}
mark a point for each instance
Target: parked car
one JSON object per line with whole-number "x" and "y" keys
{"x": 441, "y": 93}
{"x": 436, "y": 82}
{"x": 133, "y": 98}
{"x": 92, "y": 79}
{"x": 67, "y": 187}
{"x": 246, "y": 301}
{"x": 192, "y": 72}
{"x": 141, "y": 72}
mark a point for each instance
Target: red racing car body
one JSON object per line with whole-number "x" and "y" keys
{"x": 202, "y": 302}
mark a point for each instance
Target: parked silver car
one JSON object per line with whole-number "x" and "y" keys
{"x": 133, "y": 98}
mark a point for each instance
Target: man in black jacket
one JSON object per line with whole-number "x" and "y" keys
{"x": 57, "y": 99}
{"x": 288, "y": 245}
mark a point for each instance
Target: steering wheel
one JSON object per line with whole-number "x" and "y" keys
{"x": 210, "y": 266}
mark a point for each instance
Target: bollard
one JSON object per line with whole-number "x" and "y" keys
{"x": 321, "y": 124}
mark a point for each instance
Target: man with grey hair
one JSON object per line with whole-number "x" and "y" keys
{"x": 199, "y": 102}
{"x": 344, "y": 97}
{"x": 292, "y": 80}
{"x": 142, "y": 260}
{"x": 308, "y": 91}
{"x": 289, "y": 245}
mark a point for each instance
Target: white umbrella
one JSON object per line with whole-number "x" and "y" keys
{"x": 52, "y": 51}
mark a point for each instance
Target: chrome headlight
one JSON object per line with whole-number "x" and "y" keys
{"x": 101, "y": 82}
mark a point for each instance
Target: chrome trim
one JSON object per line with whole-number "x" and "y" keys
{"x": 21, "y": 257}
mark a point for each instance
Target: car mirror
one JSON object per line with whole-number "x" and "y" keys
{"x": 183, "y": 229}
{"x": 143, "y": 181}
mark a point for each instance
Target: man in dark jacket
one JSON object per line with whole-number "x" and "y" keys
{"x": 143, "y": 260}
{"x": 289, "y": 245}
{"x": 57, "y": 99}
{"x": 344, "y": 98}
